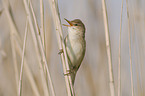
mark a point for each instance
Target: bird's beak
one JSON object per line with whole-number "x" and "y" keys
{"x": 70, "y": 23}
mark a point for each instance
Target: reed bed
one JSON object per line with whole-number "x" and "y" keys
{"x": 31, "y": 36}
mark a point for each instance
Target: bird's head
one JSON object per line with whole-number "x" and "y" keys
{"x": 75, "y": 26}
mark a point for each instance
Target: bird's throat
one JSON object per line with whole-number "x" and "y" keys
{"x": 75, "y": 33}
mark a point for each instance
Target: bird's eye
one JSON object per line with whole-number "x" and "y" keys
{"x": 76, "y": 24}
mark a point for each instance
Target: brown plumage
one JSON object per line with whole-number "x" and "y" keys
{"x": 75, "y": 45}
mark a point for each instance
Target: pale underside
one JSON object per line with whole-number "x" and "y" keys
{"x": 75, "y": 51}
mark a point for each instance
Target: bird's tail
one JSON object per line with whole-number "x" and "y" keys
{"x": 73, "y": 75}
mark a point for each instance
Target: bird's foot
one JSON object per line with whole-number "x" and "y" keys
{"x": 68, "y": 72}
{"x": 60, "y": 51}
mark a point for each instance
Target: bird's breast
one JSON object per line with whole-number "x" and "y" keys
{"x": 75, "y": 50}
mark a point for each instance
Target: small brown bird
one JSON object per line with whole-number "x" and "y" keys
{"x": 75, "y": 45}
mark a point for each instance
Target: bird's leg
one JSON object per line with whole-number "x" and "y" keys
{"x": 72, "y": 70}
{"x": 60, "y": 51}
{"x": 68, "y": 72}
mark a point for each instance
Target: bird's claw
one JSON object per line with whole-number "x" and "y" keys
{"x": 60, "y": 51}
{"x": 68, "y": 72}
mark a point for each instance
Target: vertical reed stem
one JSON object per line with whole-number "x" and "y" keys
{"x": 56, "y": 17}
{"x": 131, "y": 71}
{"x": 108, "y": 48}
{"x": 119, "y": 57}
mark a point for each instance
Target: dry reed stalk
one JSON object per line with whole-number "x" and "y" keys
{"x": 13, "y": 33}
{"x": 108, "y": 48}
{"x": 42, "y": 32}
{"x": 119, "y": 57}
{"x": 16, "y": 41}
{"x": 131, "y": 71}
{"x": 22, "y": 61}
{"x": 60, "y": 38}
{"x": 27, "y": 71}
{"x": 42, "y": 23}
{"x": 42, "y": 50}
{"x": 14, "y": 58}
{"x": 137, "y": 60}
{"x": 44, "y": 82}
{"x": 48, "y": 40}
{"x": 138, "y": 69}
{"x": 140, "y": 46}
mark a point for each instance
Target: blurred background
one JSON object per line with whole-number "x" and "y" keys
{"x": 93, "y": 76}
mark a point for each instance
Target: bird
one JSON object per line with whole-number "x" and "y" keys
{"x": 75, "y": 45}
